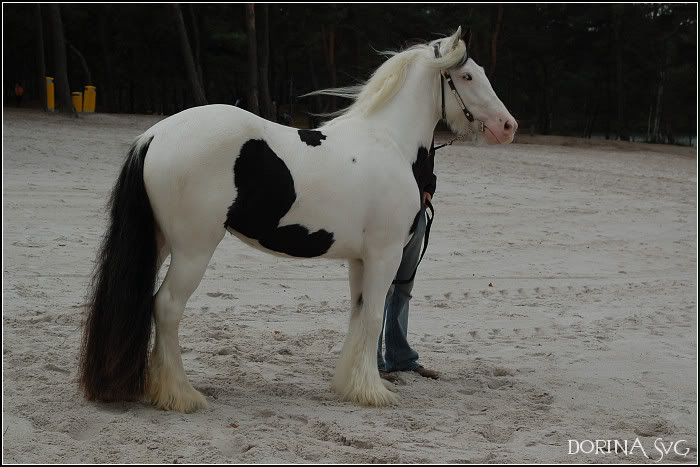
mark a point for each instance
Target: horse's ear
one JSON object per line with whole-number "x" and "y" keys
{"x": 454, "y": 39}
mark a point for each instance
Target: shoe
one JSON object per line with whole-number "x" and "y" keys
{"x": 426, "y": 373}
{"x": 392, "y": 377}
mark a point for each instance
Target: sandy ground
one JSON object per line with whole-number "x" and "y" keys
{"x": 557, "y": 299}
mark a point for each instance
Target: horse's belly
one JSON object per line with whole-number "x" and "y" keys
{"x": 298, "y": 245}
{"x": 293, "y": 241}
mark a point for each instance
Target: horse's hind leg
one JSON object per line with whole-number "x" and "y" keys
{"x": 168, "y": 387}
{"x": 162, "y": 248}
{"x": 356, "y": 377}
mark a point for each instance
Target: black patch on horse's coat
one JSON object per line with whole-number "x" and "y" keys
{"x": 295, "y": 240}
{"x": 418, "y": 166}
{"x": 265, "y": 194}
{"x": 354, "y": 160}
{"x": 415, "y": 222}
{"x": 360, "y": 300}
{"x": 311, "y": 137}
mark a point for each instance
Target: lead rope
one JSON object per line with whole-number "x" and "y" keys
{"x": 429, "y": 222}
{"x": 458, "y": 138}
{"x": 426, "y": 236}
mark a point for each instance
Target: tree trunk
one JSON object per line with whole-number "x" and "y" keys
{"x": 314, "y": 82}
{"x": 252, "y": 60}
{"x": 545, "y": 113}
{"x": 164, "y": 98}
{"x": 608, "y": 91}
{"x": 317, "y": 103}
{"x": 328, "y": 43}
{"x": 131, "y": 96}
{"x": 62, "y": 88}
{"x": 196, "y": 44}
{"x": 594, "y": 117}
{"x": 591, "y": 118}
{"x": 265, "y": 99}
{"x": 656, "y": 135}
{"x": 193, "y": 78}
{"x": 494, "y": 41}
{"x": 511, "y": 74}
{"x": 110, "y": 94}
{"x": 40, "y": 56}
{"x": 291, "y": 96}
{"x": 180, "y": 102}
{"x": 83, "y": 63}
{"x": 481, "y": 47}
{"x": 356, "y": 22}
{"x": 622, "y": 131}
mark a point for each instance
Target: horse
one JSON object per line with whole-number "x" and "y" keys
{"x": 346, "y": 190}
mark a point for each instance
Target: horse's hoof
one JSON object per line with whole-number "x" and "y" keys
{"x": 179, "y": 400}
{"x": 188, "y": 402}
{"x": 372, "y": 396}
{"x": 388, "y": 384}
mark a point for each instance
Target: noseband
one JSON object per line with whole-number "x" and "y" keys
{"x": 445, "y": 76}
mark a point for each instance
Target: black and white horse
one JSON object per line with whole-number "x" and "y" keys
{"x": 346, "y": 190}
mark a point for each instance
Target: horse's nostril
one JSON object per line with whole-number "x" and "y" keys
{"x": 508, "y": 125}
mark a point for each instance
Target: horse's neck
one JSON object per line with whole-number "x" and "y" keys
{"x": 409, "y": 118}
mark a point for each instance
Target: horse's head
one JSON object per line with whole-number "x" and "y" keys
{"x": 483, "y": 114}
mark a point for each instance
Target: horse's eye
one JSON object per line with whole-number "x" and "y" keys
{"x": 468, "y": 77}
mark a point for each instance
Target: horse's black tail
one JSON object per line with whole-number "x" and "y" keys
{"x": 117, "y": 330}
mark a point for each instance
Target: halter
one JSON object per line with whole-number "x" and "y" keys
{"x": 445, "y": 76}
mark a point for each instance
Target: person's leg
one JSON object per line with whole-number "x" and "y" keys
{"x": 380, "y": 355}
{"x": 390, "y": 376}
{"x": 399, "y": 354}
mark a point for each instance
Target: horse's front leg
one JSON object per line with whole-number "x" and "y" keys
{"x": 356, "y": 377}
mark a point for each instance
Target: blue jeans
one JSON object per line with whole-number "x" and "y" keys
{"x": 399, "y": 354}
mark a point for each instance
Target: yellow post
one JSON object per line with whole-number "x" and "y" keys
{"x": 50, "y": 105}
{"x": 78, "y": 101}
{"x": 89, "y": 99}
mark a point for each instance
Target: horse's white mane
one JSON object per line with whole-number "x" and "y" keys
{"x": 389, "y": 77}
